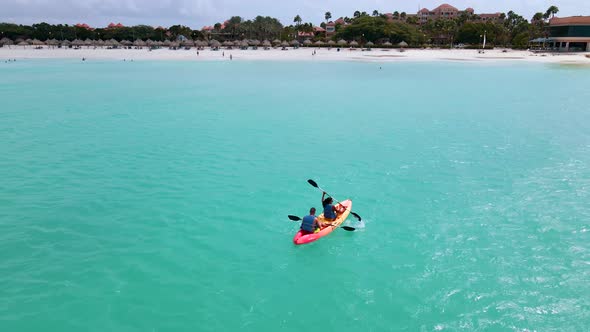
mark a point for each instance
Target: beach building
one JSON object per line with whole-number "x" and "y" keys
{"x": 115, "y": 26}
{"x": 84, "y": 26}
{"x": 570, "y": 34}
{"x": 330, "y": 28}
{"x": 446, "y": 11}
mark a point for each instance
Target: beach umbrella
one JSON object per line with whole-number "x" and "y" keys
{"x": 149, "y": 42}
{"x": 18, "y": 40}
{"x": 88, "y": 42}
{"x": 77, "y": 42}
{"x": 37, "y": 42}
{"x": 307, "y": 42}
{"x": 214, "y": 43}
{"x": 369, "y": 44}
{"x": 387, "y": 44}
{"x": 266, "y": 43}
{"x": 285, "y": 44}
{"x": 255, "y": 42}
{"x": 126, "y": 42}
{"x": 354, "y": 43}
{"x": 29, "y": 41}
{"x": 276, "y": 42}
{"x": 294, "y": 43}
{"x": 23, "y": 44}
{"x": 402, "y": 44}
{"x": 167, "y": 43}
{"x": 244, "y": 44}
{"x": 188, "y": 42}
{"x": 342, "y": 42}
{"x": 114, "y": 42}
{"x": 6, "y": 41}
{"x": 331, "y": 43}
{"x": 100, "y": 42}
{"x": 139, "y": 43}
{"x": 66, "y": 42}
{"x": 319, "y": 43}
{"x": 52, "y": 42}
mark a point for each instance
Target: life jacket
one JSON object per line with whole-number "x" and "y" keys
{"x": 307, "y": 224}
{"x": 329, "y": 211}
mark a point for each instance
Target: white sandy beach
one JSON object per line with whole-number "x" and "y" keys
{"x": 322, "y": 54}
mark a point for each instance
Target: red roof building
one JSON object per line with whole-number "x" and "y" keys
{"x": 569, "y": 34}
{"x": 302, "y": 34}
{"x": 446, "y": 11}
{"x": 572, "y": 20}
{"x": 490, "y": 17}
{"x": 340, "y": 21}
{"x": 84, "y": 26}
{"x": 115, "y": 26}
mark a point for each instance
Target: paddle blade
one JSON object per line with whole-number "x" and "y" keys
{"x": 356, "y": 215}
{"x": 348, "y": 228}
{"x": 312, "y": 182}
{"x": 294, "y": 218}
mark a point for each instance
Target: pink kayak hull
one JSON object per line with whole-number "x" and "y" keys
{"x": 300, "y": 238}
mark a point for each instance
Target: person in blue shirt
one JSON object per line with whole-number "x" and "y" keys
{"x": 310, "y": 223}
{"x": 331, "y": 211}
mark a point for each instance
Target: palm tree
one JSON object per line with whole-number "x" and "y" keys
{"x": 396, "y": 14}
{"x": 538, "y": 17}
{"x": 375, "y": 12}
{"x": 356, "y": 14}
{"x": 328, "y": 16}
{"x": 297, "y": 20}
{"x": 403, "y": 15}
{"x": 551, "y": 11}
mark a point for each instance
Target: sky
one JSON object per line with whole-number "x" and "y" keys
{"x": 197, "y": 13}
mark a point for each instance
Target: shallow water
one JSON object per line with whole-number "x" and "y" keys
{"x": 153, "y": 196}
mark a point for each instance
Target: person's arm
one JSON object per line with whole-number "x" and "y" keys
{"x": 317, "y": 222}
{"x": 323, "y": 195}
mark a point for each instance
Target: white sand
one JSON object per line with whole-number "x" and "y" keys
{"x": 322, "y": 54}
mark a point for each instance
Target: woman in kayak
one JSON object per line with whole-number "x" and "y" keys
{"x": 331, "y": 211}
{"x": 310, "y": 222}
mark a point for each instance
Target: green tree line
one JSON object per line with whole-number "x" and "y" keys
{"x": 510, "y": 29}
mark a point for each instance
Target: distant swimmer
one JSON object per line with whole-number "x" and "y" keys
{"x": 83, "y": 59}
{"x": 230, "y": 57}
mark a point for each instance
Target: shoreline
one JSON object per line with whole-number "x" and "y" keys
{"x": 301, "y": 54}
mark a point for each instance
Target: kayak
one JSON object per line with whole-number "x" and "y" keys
{"x": 300, "y": 238}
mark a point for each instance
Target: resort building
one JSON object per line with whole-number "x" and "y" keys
{"x": 446, "y": 11}
{"x": 84, "y": 26}
{"x": 570, "y": 34}
{"x": 330, "y": 28}
{"x": 115, "y": 26}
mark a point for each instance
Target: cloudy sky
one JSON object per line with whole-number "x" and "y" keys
{"x": 196, "y": 13}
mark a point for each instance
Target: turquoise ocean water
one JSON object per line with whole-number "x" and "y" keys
{"x": 153, "y": 196}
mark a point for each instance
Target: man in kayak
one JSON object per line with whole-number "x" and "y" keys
{"x": 310, "y": 222}
{"x": 330, "y": 211}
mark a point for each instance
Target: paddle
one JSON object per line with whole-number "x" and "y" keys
{"x": 346, "y": 228}
{"x": 313, "y": 183}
